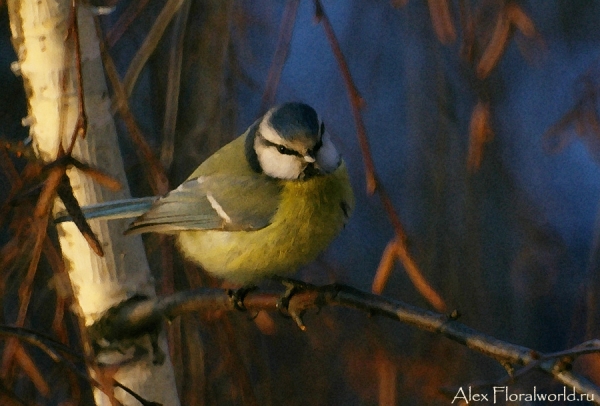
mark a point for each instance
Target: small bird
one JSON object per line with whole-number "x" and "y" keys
{"x": 262, "y": 206}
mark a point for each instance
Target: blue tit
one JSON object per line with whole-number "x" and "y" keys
{"x": 262, "y": 206}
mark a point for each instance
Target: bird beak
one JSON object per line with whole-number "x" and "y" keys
{"x": 309, "y": 158}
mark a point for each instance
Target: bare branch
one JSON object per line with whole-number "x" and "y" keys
{"x": 372, "y": 180}
{"x": 156, "y": 174}
{"x": 167, "y": 151}
{"x": 139, "y": 315}
{"x": 149, "y": 44}
{"x": 286, "y": 29}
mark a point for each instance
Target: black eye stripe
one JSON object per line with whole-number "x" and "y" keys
{"x": 280, "y": 148}
{"x": 285, "y": 151}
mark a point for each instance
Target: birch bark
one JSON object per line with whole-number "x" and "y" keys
{"x": 39, "y": 33}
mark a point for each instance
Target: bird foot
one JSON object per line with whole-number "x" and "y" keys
{"x": 283, "y": 303}
{"x": 236, "y": 296}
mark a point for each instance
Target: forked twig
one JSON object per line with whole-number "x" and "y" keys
{"x": 372, "y": 181}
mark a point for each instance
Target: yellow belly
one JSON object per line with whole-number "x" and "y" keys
{"x": 310, "y": 215}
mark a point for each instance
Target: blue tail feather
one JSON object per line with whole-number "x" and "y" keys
{"x": 117, "y": 209}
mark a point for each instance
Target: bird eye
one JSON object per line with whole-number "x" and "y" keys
{"x": 285, "y": 151}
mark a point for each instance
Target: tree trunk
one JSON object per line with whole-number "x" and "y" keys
{"x": 46, "y": 54}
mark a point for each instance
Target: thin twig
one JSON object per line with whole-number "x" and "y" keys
{"x": 372, "y": 180}
{"x": 149, "y": 45}
{"x": 141, "y": 400}
{"x": 173, "y": 86}
{"x": 81, "y": 124}
{"x": 356, "y": 101}
{"x": 286, "y": 29}
{"x": 55, "y": 351}
{"x": 157, "y": 177}
{"x": 132, "y": 12}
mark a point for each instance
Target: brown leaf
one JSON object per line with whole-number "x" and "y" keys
{"x": 495, "y": 48}
{"x": 467, "y": 23}
{"x": 384, "y": 270}
{"x": 387, "y": 372}
{"x": 102, "y": 178}
{"x": 418, "y": 280}
{"x": 31, "y": 370}
{"x": 441, "y": 19}
{"x": 480, "y": 133}
{"x": 520, "y": 20}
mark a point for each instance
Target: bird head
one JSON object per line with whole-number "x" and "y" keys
{"x": 290, "y": 142}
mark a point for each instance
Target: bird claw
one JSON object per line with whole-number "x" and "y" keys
{"x": 236, "y": 296}
{"x": 283, "y": 303}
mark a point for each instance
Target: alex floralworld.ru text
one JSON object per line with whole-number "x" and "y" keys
{"x": 503, "y": 394}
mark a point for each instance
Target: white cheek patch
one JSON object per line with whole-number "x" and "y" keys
{"x": 278, "y": 165}
{"x": 328, "y": 158}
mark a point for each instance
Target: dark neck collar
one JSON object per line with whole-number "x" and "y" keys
{"x": 250, "y": 152}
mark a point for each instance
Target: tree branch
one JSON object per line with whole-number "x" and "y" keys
{"x": 140, "y": 315}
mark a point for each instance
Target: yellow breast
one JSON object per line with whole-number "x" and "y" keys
{"x": 311, "y": 213}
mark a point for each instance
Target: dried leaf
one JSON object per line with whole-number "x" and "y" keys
{"x": 387, "y": 372}
{"x": 480, "y": 133}
{"x": 441, "y": 19}
{"x": 467, "y": 21}
{"x": 30, "y": 369}
{"x": 495, "y": 48}
{"x": 520, "y": 20}
{"x": 418, "y": 280}
{"x": 102, "y": 178}
{"x": 384, "y": 270}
